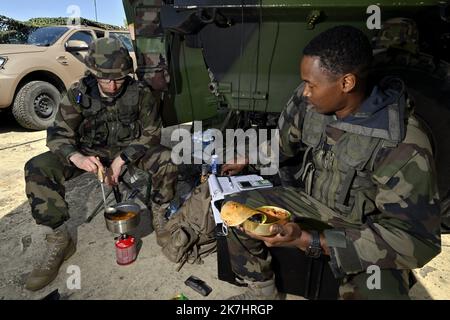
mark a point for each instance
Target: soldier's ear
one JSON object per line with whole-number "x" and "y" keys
{"x": 348, "y": 82}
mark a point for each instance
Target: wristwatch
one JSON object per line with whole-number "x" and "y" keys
{"x": 314, "y": 250}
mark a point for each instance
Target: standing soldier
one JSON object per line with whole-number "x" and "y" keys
{"x": 106, "y": 119}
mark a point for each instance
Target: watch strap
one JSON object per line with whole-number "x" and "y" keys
{"x": 314, "y": 250}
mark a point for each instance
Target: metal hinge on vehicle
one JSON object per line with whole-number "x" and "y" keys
{"x": 313, "y": 18}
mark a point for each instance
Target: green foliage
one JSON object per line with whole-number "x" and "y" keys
{"x": 10, "y": 28}
{"x": 7, "y": 24}
{"x": 42, "y": 22}
{"x": 18, "y": 30}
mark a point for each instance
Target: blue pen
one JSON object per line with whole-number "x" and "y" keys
{"x": 79, "y": 98}
{"x": 231, "y": 183}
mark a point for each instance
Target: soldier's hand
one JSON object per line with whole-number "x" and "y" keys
{"x": 231, "y": 169}
{"x": 87, "y": 163}
{"x": 287, "y": 235}
{"x": 113, "y": 172}
{"x": 108, "y": 177}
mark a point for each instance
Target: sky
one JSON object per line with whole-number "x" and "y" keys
{"x": 108, "y": 11}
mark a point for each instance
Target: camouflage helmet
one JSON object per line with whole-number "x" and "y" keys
{"x": 109, "y": 59}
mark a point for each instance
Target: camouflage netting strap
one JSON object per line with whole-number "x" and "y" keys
{"x": 150, "y": 42}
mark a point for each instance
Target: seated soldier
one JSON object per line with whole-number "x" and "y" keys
{"x": 106, "y": 119}
{"x": 368, "y": 173}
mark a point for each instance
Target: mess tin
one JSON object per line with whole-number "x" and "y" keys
{"x": 274, "y": 215}
{"x": 257, "y": 221}
{"x": 124, "y": 218}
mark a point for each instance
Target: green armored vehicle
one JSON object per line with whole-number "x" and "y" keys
{"x": 235, "y": 63}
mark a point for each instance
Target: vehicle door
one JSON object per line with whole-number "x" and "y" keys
{"x": 75, "y": 59}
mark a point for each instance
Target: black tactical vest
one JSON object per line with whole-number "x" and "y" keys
{"x": 108, "y": 124}
{"x": 339, "y": 173}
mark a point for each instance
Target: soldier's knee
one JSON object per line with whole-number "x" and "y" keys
{"x": 383, "y": 284}
{"x": 31, "y": 165}
{"x": 165, "y": 156}
{"x": 41, "y": 163}
{"x": 165, "y": 160}
{"x": 28, "y": 165}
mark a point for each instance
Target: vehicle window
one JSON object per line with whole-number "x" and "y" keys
{"x": 85, "y": 36}
{"x": 45, "y": 36}
{"x": 125, "y": 38}
{"x": 99, "y": 34}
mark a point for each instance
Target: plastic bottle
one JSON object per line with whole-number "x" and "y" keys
{"x": 214, "y": 164}
{"x": 207, "y": 138}
{"x": 173, "y": 208}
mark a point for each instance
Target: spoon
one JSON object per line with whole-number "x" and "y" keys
{"x": 101, "y": 178}
{"x": 110, "y": 210}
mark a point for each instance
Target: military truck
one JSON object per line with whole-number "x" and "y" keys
{"x": 235, "y": 63}
{"x": 34, "y": 74}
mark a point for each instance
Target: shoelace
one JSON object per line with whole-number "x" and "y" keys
{"x": 49, "y": 263}
{"x": 51, "y": 255}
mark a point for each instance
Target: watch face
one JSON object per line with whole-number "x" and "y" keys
{"x": 314, "y": 252}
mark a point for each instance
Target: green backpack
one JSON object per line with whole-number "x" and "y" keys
{"x": 191, "y": 230}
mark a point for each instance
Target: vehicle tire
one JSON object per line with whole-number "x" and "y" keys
{"x": 36, "y": 104}
{"x": 428, "y": 82}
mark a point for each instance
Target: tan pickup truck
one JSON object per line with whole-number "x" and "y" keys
{"x": 34, "y": 75}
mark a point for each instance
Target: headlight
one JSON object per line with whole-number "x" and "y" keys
{"x": 3, "y": 61}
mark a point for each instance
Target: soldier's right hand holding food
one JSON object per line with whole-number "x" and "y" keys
{"x": 289, "y": 235}
{"x": 87, "y": 163}
{"x": 284, "y": 235}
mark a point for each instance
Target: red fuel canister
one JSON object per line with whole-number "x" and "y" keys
{"x": 125, "y": 249}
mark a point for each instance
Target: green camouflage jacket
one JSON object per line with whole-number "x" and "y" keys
{"x": 105, "y": 127}
{"x": 398, "y": 222}
{"x": 150, "y": 43}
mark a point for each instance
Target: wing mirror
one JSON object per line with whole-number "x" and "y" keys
{"x": 76, "y": 45}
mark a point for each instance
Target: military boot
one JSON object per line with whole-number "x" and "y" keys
{"x": 264, "y": 290}
{"x": 159, "y": 221}
{"x": 60, "y": 248}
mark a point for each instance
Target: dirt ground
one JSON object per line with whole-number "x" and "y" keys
{"x": 150, "y": 277}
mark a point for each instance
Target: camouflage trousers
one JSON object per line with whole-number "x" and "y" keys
{"x": 45, "y": 175}
{"x": 251, "y": 259}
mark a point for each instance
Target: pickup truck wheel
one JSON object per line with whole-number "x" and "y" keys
{"x": 36, "y": 104}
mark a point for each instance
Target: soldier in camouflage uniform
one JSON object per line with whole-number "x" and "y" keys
{"x": 105, "y": 120}
{"x": 368, "y": 175}
{"x": 149, "y": 38}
